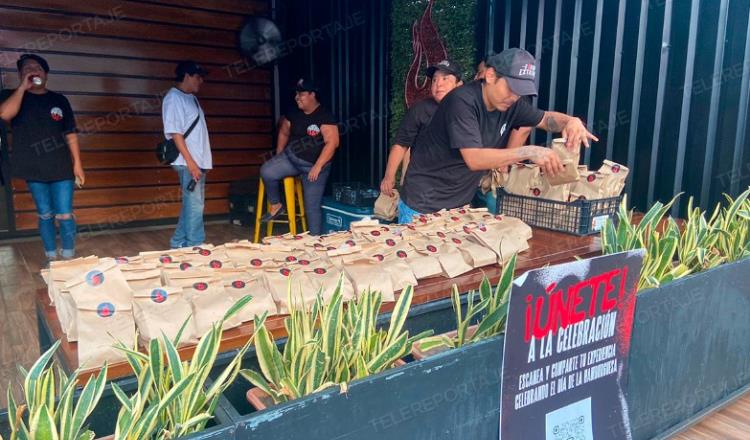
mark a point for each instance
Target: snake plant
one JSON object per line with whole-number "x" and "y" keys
{"x": 328, "y": 345}
{"x": 173, "y": 399}
{"x": 50, "y": 411}
{"x": 676, "y": 250}
{"x": 492, "y": 307}
{"x": 734, "y": 226}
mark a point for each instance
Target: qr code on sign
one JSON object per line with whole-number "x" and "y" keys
{"x": 572, "y": 422}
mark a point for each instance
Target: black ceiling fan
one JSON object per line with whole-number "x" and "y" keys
{"x": 260, "y": 40}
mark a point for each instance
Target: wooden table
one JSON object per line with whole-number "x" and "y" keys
{"x": 545, "y": 248}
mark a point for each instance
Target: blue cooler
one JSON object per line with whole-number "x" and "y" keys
{"x": 337, "y": 216}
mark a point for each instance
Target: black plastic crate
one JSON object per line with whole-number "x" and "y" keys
{"x": 582, "y": 217}
{"x": 355, "y": 194}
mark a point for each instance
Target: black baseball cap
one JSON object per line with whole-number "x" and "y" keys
{"x": 518, "y": 67}
{"x": 189, "y": 67}
{"x": 306, "y": 85}
{"x": 30, "y": 56}
{"x": 446, "y": 66}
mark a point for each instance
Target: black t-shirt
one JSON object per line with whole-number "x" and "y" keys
{"x": 416, "y": 119}
{"x": 39, "y": 150}
{"x": 437, "y": 176}
{"x": 305, "y": 138}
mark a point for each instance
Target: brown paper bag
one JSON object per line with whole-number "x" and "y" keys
{"x": 143, "y": 279}
{"x": 262, "y": 301}
{"x": 100, "y": 326}
{"x": 422, "y": 266}
{"x": 501, "y": 240}
{"x": 400, "y": 272}
{"x": 559, "y": 193}
{"x": 240, "y": 252}
{"x": 297, "y": 242}
{"x": 111, "y": 284}
{"x": 348, "y": 251}
{"x": 62, "y": 271}
{"x": 201, "y": 255}
{"x": 258, "y": 261}
{"x": 228, "y": 274}
{"x": 209, "y": 302}
{"x": 162, "y": 257}
{"x": 513, "y": 226}
{"x": 325, "y": 278}
{"x": 162, "y": 310}
{"x": 397, "y": 268}
{"x": 386, "y": 207}
{"x": 615, "y": 177}
{"x": 104, "y": 313}
{"x": 185, "y": 278}
{"x": 519, "y": 177}
{"x": 569, "y": 160}
{"x": 123, "y": 260}
{"x": 591, "y": 186}
{"x": 369, "y": 274}
{"x": 279, "y": 281}
{"x": 493, "y": 180}
{"x": 451, "y": 261}
{"x": 474, "y": 253}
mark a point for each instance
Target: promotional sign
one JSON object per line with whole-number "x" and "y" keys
{"x": 566, "y": 350}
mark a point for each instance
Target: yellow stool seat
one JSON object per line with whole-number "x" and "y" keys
{"x": 292, "y": 187}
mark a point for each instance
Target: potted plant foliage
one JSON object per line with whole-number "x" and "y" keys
{"x": 490, "y": 310}
{"x": 328, "y": 345}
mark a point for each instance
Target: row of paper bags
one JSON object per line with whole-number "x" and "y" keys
{"x": 99, "y": 301}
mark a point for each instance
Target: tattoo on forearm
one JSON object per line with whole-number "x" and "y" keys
{"x": 553, "y": 125}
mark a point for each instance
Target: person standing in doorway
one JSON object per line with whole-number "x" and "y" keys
{"x": 45, "y": 151}
{"x": 180, "y": 112}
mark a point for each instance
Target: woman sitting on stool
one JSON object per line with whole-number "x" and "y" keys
{"x": 308, "y": 138}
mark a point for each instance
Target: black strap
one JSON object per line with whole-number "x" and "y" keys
{"x": 195, "y": 122}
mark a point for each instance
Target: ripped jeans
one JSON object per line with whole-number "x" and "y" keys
{"x": 54, "y": 200}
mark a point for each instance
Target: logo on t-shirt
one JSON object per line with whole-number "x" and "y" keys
{"x": 313, "y": 130}
{"x": 56, "y": 114}
{"x": 502, "y": 129}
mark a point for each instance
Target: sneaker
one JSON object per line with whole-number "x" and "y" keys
{"x": 48, "y": 260}
{"x": 267, "y": 217}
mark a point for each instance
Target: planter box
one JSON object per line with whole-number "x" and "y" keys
{"x": 690, "y": 352}
{"x": 690, "y": 349}
{"x": 446, "y": 396}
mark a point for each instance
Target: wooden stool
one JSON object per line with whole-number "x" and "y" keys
{"x": 292, "y": 187}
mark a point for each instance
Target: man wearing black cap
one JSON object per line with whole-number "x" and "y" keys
{"x": 45, "y": 151}
{"x": 444, "y": 77}
{"x": 470, "y": 131}
{"x": 181, "y": 111}
{"x": 307, "y": 140}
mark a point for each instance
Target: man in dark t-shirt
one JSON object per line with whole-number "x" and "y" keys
{"x": 444, "y": 77}
{"x": 469, "y": 132}
{"x": 45, "y": 151}
{"x": 307, "y": 140}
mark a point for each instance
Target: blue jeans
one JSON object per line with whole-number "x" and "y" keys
{"x": 54, "y": 200}
{"x": 405, "y": 214}
{"x": 190, "y": 230}
{"x": 287, "y": 164}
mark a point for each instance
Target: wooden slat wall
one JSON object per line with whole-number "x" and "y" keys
{"x": 113, "y": 60}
